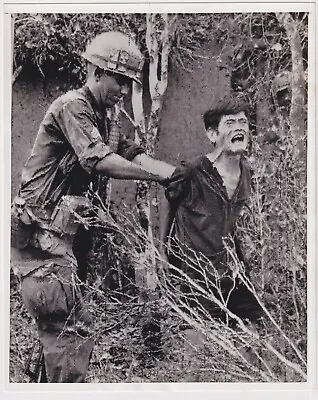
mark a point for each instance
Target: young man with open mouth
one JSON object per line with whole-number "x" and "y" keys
{"x": 200, "y": 211}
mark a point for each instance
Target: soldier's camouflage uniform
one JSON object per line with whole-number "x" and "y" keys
{"x": 69, "y": 143}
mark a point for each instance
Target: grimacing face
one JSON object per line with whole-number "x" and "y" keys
{"x": 233, "y": 133}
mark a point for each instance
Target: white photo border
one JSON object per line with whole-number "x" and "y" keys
{"x": 244, "y": 391}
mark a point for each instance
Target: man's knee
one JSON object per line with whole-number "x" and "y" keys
{"x": 52, "y": 295}
{"x": 45, "y": 293}
{"x": 63, "y": 323}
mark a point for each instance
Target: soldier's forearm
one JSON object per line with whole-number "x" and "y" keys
{"x": 154, "y": 166}
{"x": 118, "y": 167}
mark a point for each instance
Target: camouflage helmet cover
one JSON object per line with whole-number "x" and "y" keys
{"x": 115, "y": 52}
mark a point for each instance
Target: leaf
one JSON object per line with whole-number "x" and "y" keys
{"x": 300, "y": 260}
{"x": 277, "y": 47}
{"x": 105, "y": 356}
{"x": 293, "y": 268}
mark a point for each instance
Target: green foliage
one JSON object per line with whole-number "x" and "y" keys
{"x": 58, "y": 39}
{"x": 275, "y": 234}
{"x": 253, "y": 47}
{"x": 53, "y": 43}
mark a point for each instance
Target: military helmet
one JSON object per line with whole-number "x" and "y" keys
{"x": 115, "y": 52}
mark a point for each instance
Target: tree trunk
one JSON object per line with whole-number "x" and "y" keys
{"x": 297, "y": 111}
{"x": 146, "y": 134}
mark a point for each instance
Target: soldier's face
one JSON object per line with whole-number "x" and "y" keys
{"x": 114, "y": 88}
{"x": 233, "y": 133}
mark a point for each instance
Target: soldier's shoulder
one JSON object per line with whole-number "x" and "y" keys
{"x": 72, "y": 96}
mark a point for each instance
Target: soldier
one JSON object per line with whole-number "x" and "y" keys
{"x": 69, "y": 151}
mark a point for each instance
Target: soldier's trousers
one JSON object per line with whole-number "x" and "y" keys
{"x": 52, "y": 295}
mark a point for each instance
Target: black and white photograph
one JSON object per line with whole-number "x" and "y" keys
{"x": 159, "y": 197}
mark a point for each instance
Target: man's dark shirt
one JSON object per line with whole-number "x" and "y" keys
{"x": 71, "y": 139}
{"x": 204, "y": 213}
{"x": 204, "y": 216}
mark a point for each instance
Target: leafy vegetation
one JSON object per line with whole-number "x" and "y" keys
{"x": 253, "y": 48}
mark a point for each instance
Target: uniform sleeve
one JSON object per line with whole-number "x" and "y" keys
{"x": 128, "y": 149}
{"x": 82, "y": 133}
{"x": 178, "y": 184}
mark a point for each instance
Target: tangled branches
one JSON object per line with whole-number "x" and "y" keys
{"x": 196, "y": 344}
{"x": 268, "y": 353}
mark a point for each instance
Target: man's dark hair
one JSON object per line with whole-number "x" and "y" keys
{"x": 213, "y": 116}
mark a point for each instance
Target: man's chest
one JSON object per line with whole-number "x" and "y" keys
{"x": 208, "y": 211}
{"x": 230, "y": 184}
{"x": 212, "y": 197}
